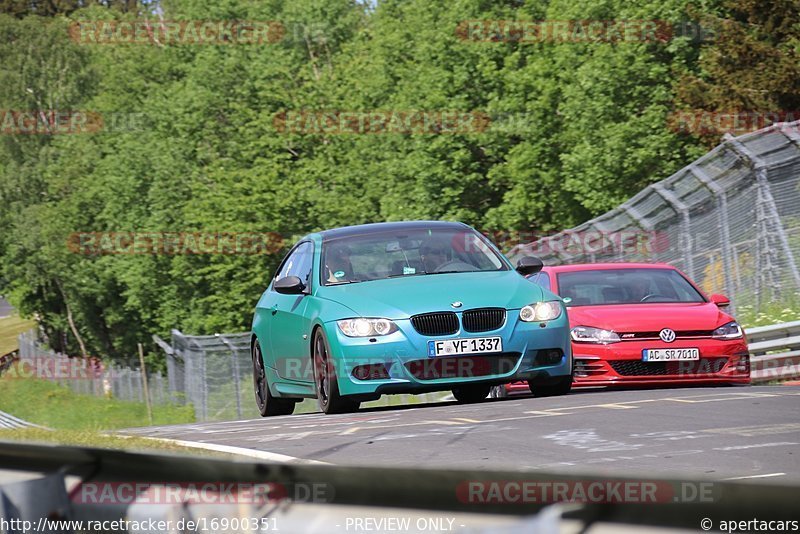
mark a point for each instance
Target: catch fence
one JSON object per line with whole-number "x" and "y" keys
{"x": 215, "y": 375}
{"x": 730, "y": 220}
{"x": 86, "y": 376}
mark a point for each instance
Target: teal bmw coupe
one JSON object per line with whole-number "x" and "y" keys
{"x": 404, "y": 307}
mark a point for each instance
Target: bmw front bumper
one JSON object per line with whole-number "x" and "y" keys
{"x": 399, "y": 362}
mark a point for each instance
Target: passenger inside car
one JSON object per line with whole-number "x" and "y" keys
{"x": 613, "y": 295}
{"x": 337, "y": 263}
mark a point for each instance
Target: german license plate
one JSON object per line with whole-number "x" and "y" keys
{"x": 670, "y": 355}
{"x": 471, "y": 345}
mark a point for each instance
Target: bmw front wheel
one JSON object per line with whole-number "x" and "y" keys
{"x": 325, "y": 381}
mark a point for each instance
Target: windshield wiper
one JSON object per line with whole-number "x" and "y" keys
{"x": 412, "y": 274}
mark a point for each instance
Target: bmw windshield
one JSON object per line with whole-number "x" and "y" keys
{"x": 407, "y": 252}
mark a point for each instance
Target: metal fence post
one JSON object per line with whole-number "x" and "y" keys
{"x": 686, "y": 224}
{"x": 765, "y": 195}
{"x": 236, "y": 376}
{"x": 722, "y": 224}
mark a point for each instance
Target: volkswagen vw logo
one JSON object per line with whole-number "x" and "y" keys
{"x": 456, "y": 304}
{"x": 667, "y": 335}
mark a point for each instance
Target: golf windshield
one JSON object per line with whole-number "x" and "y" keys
{"x": 379, "y": 255}
{"x": 626, "y": 286}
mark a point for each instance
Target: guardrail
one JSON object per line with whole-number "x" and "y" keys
{"x": 774, "y": 352}
{"x": 9, "y": 422}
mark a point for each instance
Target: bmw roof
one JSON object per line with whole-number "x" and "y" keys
{"x": 374, "y": 228}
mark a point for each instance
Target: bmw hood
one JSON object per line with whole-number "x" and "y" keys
{"x": 402, "y": 297}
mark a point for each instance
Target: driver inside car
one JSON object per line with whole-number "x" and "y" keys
{"x": 639, "y": 288}
{"x": 432, "y": 258}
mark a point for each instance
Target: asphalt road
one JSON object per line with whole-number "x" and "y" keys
{"x": 717, "y": 433}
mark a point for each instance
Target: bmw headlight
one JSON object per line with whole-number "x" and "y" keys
{"x": 366, "y": 327}
{"x": 540, "y": 311}
{"x": 589, "y": 334}
{"x": 732, "y": 330}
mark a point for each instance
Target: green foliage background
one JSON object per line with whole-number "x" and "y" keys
{"x": 586, "y": 127}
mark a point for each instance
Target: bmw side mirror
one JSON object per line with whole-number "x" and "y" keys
{"x": 529, "y": 265}
{"x": 289, "y": 285}
{"x": 720, "y": 300}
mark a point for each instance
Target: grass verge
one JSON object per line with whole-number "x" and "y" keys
{"x": 89, "y": 438}
{"x": 10, "y": 328}
{"x": 52, "y": 405}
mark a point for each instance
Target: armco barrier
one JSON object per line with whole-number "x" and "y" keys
{"x": 774, "y": 351}
{"x": 9, "y": 422}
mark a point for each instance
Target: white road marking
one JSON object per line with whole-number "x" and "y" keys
{"x": 756, "y": 430}
{"x": 252, "y": 453}
{"x": 754, "y": 446}
{"x": 766, "y": 475}
{"x": 589, "y": 440}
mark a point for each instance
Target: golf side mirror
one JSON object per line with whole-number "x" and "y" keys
{"x": 720, "y": 300}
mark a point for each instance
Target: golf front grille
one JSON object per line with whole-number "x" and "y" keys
{"x": 679, "y": 334}
{"x": 703, "y": 366}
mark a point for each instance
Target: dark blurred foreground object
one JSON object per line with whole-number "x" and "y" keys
{"x": 47, "y": 482}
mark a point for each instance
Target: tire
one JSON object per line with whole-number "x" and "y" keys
{"x": 498, "y": 392}
{"x": 554, "y": 388}
{"x": 471, "y": 393}
{"x": 326, "y": 383}
{"x": 268, "y": 405}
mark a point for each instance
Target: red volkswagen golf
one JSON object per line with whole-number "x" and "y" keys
{"x": 645, "y": 324}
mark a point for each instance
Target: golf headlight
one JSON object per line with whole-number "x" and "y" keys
{"x": 588, "y": 334}
{"x": 365, "y": 327}
{"x": 540, "y": 311}
{"x": 731, "y": 330}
